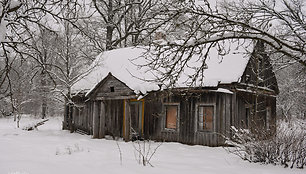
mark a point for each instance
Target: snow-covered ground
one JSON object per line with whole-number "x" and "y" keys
{"x": 50, "y": 150}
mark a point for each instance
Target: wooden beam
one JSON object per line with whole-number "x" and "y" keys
{"x": 142, "y": 117}
{"x": 234, "y": 110}
{"x": 228, "y": 116}
{"x": 95, "y": 120}
{"x": 127, "y": 118}
{"x": 102, "y": 120}
{"x": 117, "y": 97}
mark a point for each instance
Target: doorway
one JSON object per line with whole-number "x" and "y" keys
{"x": 136, "y": 119}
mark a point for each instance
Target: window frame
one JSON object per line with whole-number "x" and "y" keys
{"x": 197, "y": 117}
{"x": 164, "y": 120}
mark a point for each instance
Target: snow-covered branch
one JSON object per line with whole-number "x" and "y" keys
{"x": 281, "y": 26}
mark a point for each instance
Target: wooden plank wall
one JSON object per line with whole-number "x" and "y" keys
{"x": 266, "y": 69}
{"x": 187, "y": 118}
{"x": 120, "y": 89}
{"x": 244, "y": 99}
{"x": 152, "y": 115}
{"x": 91, "y": 118}
{"x": 222, "y": 118}
{"x": 79, "y": 115}
{"x": 113, "y": 119}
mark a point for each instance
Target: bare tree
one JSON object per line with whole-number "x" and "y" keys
{"x": 198, "y": 28}
{"x": 6, "y": 60}
{"x": 128, "y": 22}
{"x": 291, "y": 101}
{"x": 30, "y": 29}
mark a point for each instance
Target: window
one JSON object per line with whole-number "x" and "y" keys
{"x": 112, "y": 89}
{"x": 171, "y": 116}
{"x": 205, "y": 118}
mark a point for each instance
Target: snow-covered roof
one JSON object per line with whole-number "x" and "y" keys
{"x": 124, "y": 65}
{"x": 121, "y": 63}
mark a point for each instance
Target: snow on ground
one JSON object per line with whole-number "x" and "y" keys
{"x": 50, "y": 150}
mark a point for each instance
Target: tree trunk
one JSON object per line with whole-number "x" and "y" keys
{"x": 66, "y": 117}
{"x": 44, "y": 93}
{"x": 110, "y": 26}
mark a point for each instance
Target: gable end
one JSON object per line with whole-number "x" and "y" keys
{"x": 110, "y": 88}
{"x": 259, "y": 71}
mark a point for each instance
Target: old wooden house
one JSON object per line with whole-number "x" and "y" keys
{"x": 113, "y": 99}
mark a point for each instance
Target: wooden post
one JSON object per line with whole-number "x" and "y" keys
{"x": 127, "y": 116}
{"x": 102, "y": 121}
{"x": 228, "y": 117}
{"x": 95, "y": 120}
{"x": 234, "y": 109}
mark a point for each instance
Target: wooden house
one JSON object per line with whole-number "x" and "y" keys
{"x": 113, "y": 99}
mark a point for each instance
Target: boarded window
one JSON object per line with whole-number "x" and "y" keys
{"x": 171, "y": 116}
{"x": 205, "y": 115}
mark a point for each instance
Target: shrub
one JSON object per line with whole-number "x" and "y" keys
{"x": 286, "y": 147}
{"x": 144, "y": 151}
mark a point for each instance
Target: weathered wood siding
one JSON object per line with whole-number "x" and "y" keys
{"x": 83, "y": 118}
{"x": 259, "y": 70}
{"x": 245, "y": 100}
{"x": 79, "y": 110}
{"x": 114, "y": 117}
{"x": 188, "y": 133}
{"x": 111, "y": 88}
{"x": 102, "y": 112}
{"x": 229, "y": 110}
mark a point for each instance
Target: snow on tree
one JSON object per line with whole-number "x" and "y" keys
{"x": 6, "y": 8}
{"x": 193, "y": 27}
{"x": 127, "y": 22}
{"x": 22, "y": 24}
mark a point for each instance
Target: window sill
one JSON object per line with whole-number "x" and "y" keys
{"x": 169, "y": 130}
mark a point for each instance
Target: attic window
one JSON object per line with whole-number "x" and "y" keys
{"x": 112, "y": 89}
{"x": 247, "y": 78}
